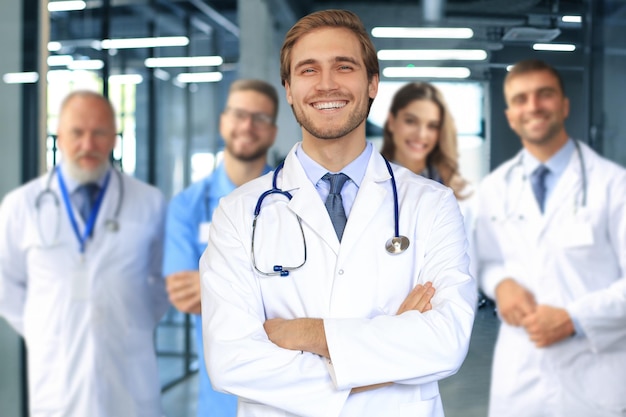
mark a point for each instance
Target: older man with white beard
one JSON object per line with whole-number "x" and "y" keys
{"x": 80, "y": 277}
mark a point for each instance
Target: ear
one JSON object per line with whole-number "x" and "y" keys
{"x": 288, "y": 93}
{"x": 373, "y": 86}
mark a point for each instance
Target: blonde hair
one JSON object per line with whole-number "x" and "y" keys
{"x": 444, "y": 157}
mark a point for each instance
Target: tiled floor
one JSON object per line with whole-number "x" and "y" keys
{"x": 464, "y": 394}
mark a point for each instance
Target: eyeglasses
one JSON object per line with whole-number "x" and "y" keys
{"x": 259, "y": 120}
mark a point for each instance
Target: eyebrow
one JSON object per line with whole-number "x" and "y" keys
{"x": 337, "y": 59}
{"x": 537, "y": 91}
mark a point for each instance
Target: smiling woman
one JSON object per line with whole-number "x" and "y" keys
{"x": 420, "y": 135}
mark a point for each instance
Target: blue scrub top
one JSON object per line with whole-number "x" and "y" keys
{"x": 183, "y": 249}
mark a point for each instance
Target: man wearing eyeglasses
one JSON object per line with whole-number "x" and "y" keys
{"x": 248, "y": 128}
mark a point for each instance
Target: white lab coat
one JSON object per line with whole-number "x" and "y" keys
{"x": 574, "y": 261}
{"x": 357, "y": 287}
{"x": 90, "y": 347}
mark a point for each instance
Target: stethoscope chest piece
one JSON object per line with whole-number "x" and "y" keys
{"x": 397, "y": 244}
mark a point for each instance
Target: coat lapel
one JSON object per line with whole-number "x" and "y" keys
{"x": 306, "y": 202}
{"x": 566, "y": 191}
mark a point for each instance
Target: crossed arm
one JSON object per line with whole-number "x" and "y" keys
{"x": 307, "y": 334}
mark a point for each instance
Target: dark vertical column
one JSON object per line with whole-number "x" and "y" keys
{"x": 105, "y": 32}
{"x": 30, "y": 92}
{"x": 594, "y": 74}
{"x": 151, "y": 128}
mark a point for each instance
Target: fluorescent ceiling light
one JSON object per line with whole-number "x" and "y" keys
{"x": 20, "y": 77}
{"x": 66, "y": 6}
{"x": 54, "y": 46}
{"x": 191, "y": 61}
{"x": 426, "y": 72}
{"x": 432, "y": 54}
{"x": 86, "y": 64}
{"x": 59, "y": 60}
{"x": 425, "y": 33}
{"x": 144, "y": 42}
{"x": 125, "y": 79}
{"x": 199, "y": 77}
{"x": 560, "y": 47}
{"x": 572, "y": 19}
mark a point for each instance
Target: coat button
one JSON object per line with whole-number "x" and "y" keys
{"x": 340, "y": 272}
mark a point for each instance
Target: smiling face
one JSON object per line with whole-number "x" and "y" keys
{"x": 86, "y": 136}
{"x": 328, "y": 89}
{"x": 536, "y": 108}
{"x": 247, "y": 125}
{"x": 415, "y": 130}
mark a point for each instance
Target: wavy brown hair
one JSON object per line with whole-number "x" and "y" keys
{"x": 444, "y": 157}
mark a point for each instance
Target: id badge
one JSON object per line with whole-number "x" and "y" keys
{"x": 203, "y": 232}
{"x": 80, "y": 281}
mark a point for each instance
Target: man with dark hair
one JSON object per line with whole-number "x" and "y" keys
{"x": 551, "y": 242}
{"x": 313, "y": 303}
{"x": 248, "y": 128}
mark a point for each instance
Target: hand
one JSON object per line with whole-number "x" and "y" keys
{"x": 514, "y": 302}
{"x": 548, "y": 325}
{"x": 183, "y": 289}
{"x": 298, "y": 334}
{"x": 418, "y": 299}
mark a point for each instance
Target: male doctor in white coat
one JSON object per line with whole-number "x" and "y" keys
{"x": 556, "y": 266}
{"x": 85, "y": 292}
{"x": 352, "y": 329}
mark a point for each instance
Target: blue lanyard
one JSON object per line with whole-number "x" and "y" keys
{"x": 91, "y": 221}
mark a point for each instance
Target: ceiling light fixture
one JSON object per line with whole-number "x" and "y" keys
{"x": 59, "y": 60}
{"x": 571, "y": 19}
{"x": 86, "y": 64}
{"x": 426, "y": 72}
{"x": 199, "y": 77}
{"x": 558, "y": 47}
{"x": 191, "y": 61}
{"x": 432, "y": 54}
{"x": 422, "y": 33}
{"x": 125, "y": 79}
{"x": 66, "y": 6}
{"x": 129, "y": 43}
{"x": 20, "y": 77}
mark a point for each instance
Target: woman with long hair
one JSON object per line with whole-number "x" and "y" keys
{"x": 420, "y": 135}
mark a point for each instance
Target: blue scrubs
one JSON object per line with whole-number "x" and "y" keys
{"x": 183, "y": 248}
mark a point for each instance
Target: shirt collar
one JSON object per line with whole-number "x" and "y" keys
{"x": 556, "y": 164}
{"x": 355, "y": 169}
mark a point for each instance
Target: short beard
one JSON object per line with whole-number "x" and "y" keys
{"x": 356, "y": 118}
{"x": 82, "y": 176}
{"x": 254, "y": 156}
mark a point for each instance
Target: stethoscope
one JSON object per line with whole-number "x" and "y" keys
{"x": 111, "y": 224}
{"x": 509, "y": 209}
{"x": 395, "y": 245}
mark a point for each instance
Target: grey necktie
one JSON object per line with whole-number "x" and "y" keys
{"x": 89, "y": 193}
{"x": 538, "y": 182}
{"x": 334, "y": 203}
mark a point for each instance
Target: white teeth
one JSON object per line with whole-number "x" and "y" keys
{"x": 329, "y": 105}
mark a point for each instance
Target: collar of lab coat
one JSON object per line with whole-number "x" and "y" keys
{"x": 310, "y": 208}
